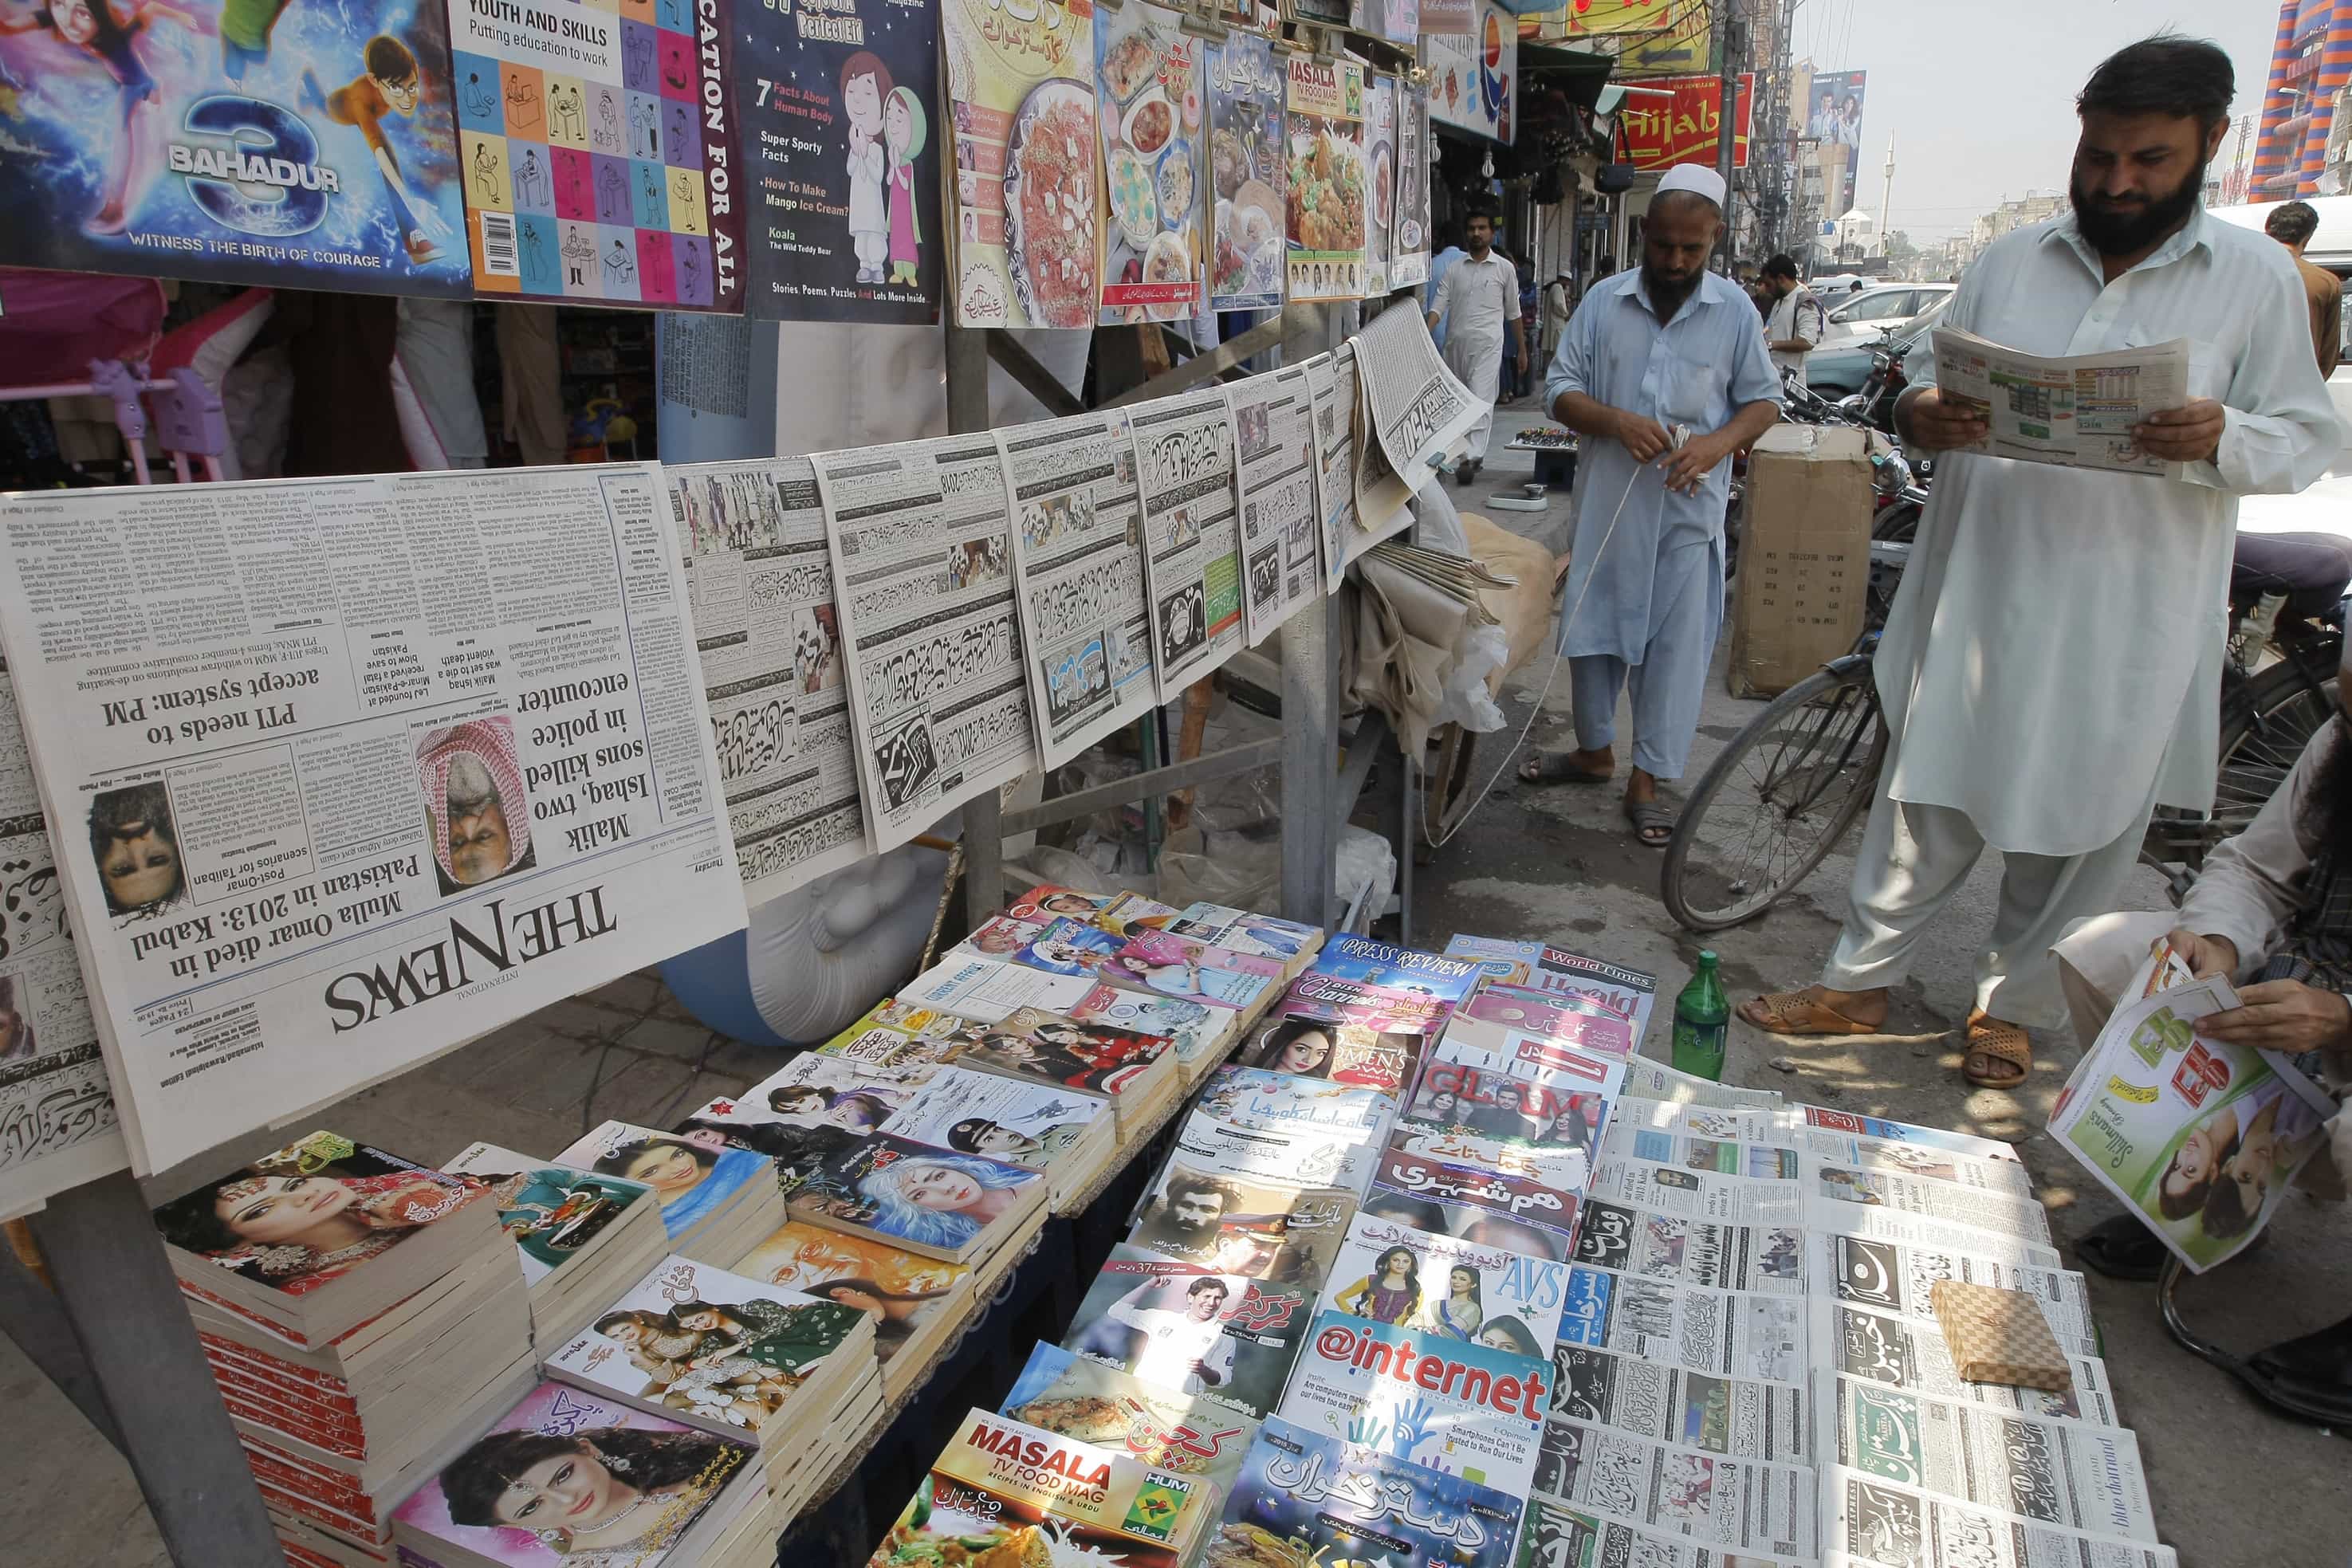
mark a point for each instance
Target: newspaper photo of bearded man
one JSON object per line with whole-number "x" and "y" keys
{"x": 474, "y": 801}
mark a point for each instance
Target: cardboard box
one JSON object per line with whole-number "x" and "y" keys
{"x": 1804, "y": 556}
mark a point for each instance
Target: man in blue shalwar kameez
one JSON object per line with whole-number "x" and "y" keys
{"x": 1667, "y": 345}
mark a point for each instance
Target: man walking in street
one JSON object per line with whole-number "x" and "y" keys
{"x": 1449, "y": 251}
{"x": 1665, "y": 369}
{"x": 2050, "y": 669}
{"x": 1479, "y": 305}
{"x": 2293, "y": 223}
{"x": 1559, "y": 305}
{"x": 1797, "y": 323}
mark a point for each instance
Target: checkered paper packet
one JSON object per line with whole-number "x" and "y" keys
{"x": 1998, "y": 1336}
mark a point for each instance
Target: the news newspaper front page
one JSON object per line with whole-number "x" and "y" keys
{"x": 353, "y": 771}
{"x": 757, "y": 573}
{"x": 922, "y": 557}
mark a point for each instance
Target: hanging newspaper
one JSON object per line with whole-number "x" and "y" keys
{"x": 1555, "y": 1535}
{"x": 1419, "y": 411}
{"x": 922, "y": 563}
{"x": 57, "y": 1121}
{"x": 1331, "y": 378}
{"x": 1905, "y": 1354}
{"x": 1184, "y": 464}
{"x": 2074, "y": 409}
{"x": 1274, "y": 426}
{"x": 1741, "y": 1417}
{"x": 1739, "y": 1505}
{"x": 369, "y": 766}
{"x": 1870, "y": 1522}
{"x": 760, "y": 581}
{"x": 2198, "y": 1137}
{"x": 1077, "y": 556}
{"x": 2064, "y": 1473}
{"x": 1381, "y": 495}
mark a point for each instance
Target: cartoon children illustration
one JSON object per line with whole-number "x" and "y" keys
{"x": 390, "y": 85}
{"x": 244, "y": 28}
{"x": 903, "y": 129}
{"x": 108, "y": 32}
{"x": 864, "y": 83}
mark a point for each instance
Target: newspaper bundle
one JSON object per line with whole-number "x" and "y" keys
{"x": 1077, "y": 557}
{"x": 1274, "y": 426}
{"x": 2074, "y": 409}
{"x": 57, "y": 1121}
{"x": 1417, "y": 407}
{"x": 370, "y": 767}
{"x": 1744, "y": 1417}
{"x": 922, "y": 561}
{"x": 757, "y": 573}
{"x": 1739, "y": 1505}
{"x": 1192, "y": 534}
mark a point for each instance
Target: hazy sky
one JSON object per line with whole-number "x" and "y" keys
{"x": 1980, "y": 96}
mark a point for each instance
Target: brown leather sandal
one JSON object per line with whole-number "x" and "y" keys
{"x": 1794, "y": 1012}
{"x": 2004, "y": 1049}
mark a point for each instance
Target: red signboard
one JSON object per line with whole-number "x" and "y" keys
{"x": 1660, "y": 131}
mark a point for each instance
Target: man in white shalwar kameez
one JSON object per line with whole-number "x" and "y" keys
{"x": 2050, "y": 669}
{"x": 1666, "y": 344}
{"x": 1478, "y": 305}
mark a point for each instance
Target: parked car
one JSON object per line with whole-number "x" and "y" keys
{"x": 1873, "y": 310}
{"x": 1839, "y": 370}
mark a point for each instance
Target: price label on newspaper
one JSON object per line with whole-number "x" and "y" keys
{"x": 2077, "y": 410}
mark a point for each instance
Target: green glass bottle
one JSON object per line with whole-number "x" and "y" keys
{"x": 1702, "y": 1022}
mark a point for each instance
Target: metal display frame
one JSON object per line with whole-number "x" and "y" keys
{"x": 109, "y": 1327}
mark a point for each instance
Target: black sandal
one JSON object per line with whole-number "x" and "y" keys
{"x": 2122, "y": 1248}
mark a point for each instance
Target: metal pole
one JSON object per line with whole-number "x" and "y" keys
{"x": 983, "y": 848}
{"x": 1309, "y": 704}
{"x": 1727, "y": 123}
{"x": 119, "y": 1297}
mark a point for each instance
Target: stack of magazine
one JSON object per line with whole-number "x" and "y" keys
{"x": 716, "y": 1200}
{"x": 361, "y": 1316}
{"x": 578, "y": 1236}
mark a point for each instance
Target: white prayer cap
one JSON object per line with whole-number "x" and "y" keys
{"x": 1695, "y": 178}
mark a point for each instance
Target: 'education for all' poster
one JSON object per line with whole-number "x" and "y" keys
{"x": 1245, "y": 161}
{"x": 1326, "y": 201}
{"x": 1021, "y": 92}
{"x": 310, "y": 146}
{"x": 841, "y": 157}
{"x": 597, "y": 150}
{"x": 1148, "y": 74}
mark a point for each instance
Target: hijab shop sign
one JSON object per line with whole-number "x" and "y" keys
{"x": 1686, "y": 128}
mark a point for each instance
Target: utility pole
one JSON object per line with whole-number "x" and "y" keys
{"x": 1727, "y": 121}
{"x": 1886, "y": 204}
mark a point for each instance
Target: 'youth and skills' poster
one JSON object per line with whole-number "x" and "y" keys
{"x": 233, "y": 141}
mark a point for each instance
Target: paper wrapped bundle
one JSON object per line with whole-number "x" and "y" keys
{"x": 1998, "y": 1336}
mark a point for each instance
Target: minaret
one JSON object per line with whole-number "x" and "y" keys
{"x": 1887, "y": 195}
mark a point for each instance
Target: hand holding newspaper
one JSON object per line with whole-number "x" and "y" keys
{"x": 2077, "y": 411}
{"x": 2198, "y": 1137}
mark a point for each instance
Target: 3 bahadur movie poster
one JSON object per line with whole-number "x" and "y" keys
{"x": 233, "y": 140}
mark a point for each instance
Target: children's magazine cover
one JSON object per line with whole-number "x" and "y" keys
{"x": 246, "y": 142}
{"x": 597, "y": 152}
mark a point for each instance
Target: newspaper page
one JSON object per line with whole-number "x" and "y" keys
{"x": 922, "y": 562}
{"x": 1744, "y": 1417}
{"x": 1726, "y": 1333}
{"x": 1192, "y": 534}
{"x": 1902, "y": 1353}
{"x": 2197, "y": 1137}
{"x": 1554, "y": 1535}
{"x": 2054, "y": 1472}
{"x": 1698, "y": 1194}
{"x": 57, "y": 1121}
{"x": 1686, "y": 1251}
{"x": 1870, "y": 1522}
{"x": 1648, "y": 1079}
{"x": 1916, "y": 1230}
{"x": 1891, "y": 1132}
{"x": 373, "y": 766}
{"x": 1831, "y": 1188}
{"x": 1274, "y": 426}
{"x": 1891, "y": 1277}
{"x": 1740, "y": 1505}
{"x": 1381, "y": 495}
{"x": 760, "y": 581}
{"x": 1419, "y": 410}
{"x": 1331, "y": 378}
{"x": 2074, "y": 409}
{"x": 1077, "y": 560}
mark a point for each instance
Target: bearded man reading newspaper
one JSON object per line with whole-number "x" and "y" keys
{"x": 2272, "y": 912}
{"x": 2050, "y": 669}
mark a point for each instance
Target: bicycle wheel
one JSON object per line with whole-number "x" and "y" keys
{"x": 1781, "y": 795}
{"x": 2262, "y": 735}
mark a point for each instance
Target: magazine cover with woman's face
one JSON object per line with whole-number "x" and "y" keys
{"x": 692, "y": 1173}
{"x": 310, "y": 1213}
{"x": 902, "y": 1291}
{"x": 571, "y": 1478}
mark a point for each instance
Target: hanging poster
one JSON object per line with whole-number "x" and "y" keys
{"x": 1472, "y": 76}
{"x": 841, "y": 174}
{"x": 310, "y": 147}
{"x": 1148, "y": 72}
{"x": 1409, "y": 231}
{"x": 1380, "y": 192}
{"x": 1398, "y": 21}
{"x": 1324, "y": 211}
{"x": 1686, "y": 128}
{"x": 597, "y": 153}
{"x": 1021, "y": 90}
{"x": 1245, "y": 168}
